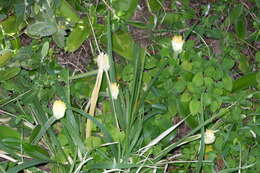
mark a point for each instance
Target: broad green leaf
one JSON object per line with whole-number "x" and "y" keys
{"x": 8, "y": 132}
{"x": 123, "y": 44}
{"x": 124, "y": 8}
{"x": 41, "y": 29}
{"x": 9, "y": 25}
{"x": 244, "y": 65}
{"x": 236, "y": 12}
{"x": 218, "y": 75}
{"x": 59, "y": 38}
{"x": 227, "y": 63}
{"x": 9, "y": 73}
{"x": 185, "y": 97}
{"x": 183, "y": 110}
{"x": 208, "y": 82}
{"x": 78, "y": 35}
{"x": 198, "y": 79}
{"x": 20, "y": 11}
{"x": 240, "y": 27}
{"x": 179, "y": 86}
{"x": 68, "y": 12}
{"x": 207, "y": 99}
{"x": 5, "y": 56}
{"x": 217, "y": 91}
{"x": 45, "y": 49}
{"x": 186, "y": 65}
{"x": 227, "y": 82}
{"x": 214, "y": 106}
{"x": 245, "y": 81}
{"x": 194, "y": 107}
{"x": 210, "y": 71}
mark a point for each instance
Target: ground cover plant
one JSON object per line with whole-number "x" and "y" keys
{"x": 129, "y": 86}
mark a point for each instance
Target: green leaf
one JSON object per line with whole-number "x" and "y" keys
{"x": 8, "y": 132}
{"x": 59, "y": 38}
{"x": 227, "y": 82}
{"x": 9, "y": 73}
{"x": 68, "y": 12}
{"x": 214, "y": 106}
{"x": 194, "y": 106}
{"x": 26, "y": 164}
{"x": 112, "y": 165}
{"x": 257, "y": 57}
{"x": 45, "y": 49}
{"x": 185, "y": 97}
{"x": 236, "y": 13}
{"x": 245, "y": 81}
{"x": 35, "y": 151}
{"x": 186, "y": 65}
{"x": 198, "y": 79}
{"x": 9, "y": 25}
{"x": 179, "y": 86}
{"x": 227, "y": 63}
{"x": 41, "y": 29}
{"x": 244, "y": 65}
{"x": 208, "y": 82}
{"x": 240, "y": 27}
{"x": 125, "y": 8}
{"x": 78, "y": 35}
{"x": 123, "y": 44}
{"x": 5, "y": 56}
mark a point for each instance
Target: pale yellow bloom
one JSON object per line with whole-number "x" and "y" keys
{"x": 209, "y": 137}
{"x": 177, "y": 43}
{"x": 58, "y": 109}
{"x": 114, "y": 89}
{"x": 103, "y": 62}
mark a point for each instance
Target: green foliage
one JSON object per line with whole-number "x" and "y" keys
{"x": 212, "y": 84}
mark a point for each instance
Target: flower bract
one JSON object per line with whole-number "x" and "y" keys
{"x": 58, "y": 109}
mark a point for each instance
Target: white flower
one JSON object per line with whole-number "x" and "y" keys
{"x": 114, "y": 89}
{"x": 58, "y": 109}
{"x": 103, "y": 61}
{"x": 209, "y": 137}
{"x": 177, "y": 43}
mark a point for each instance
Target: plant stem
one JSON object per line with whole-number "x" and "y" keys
{"x": 93, "y": 102}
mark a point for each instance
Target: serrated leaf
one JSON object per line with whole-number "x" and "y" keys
{"x": 41, "y": 29}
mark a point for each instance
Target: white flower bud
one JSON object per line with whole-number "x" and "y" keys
{"x": 103, "y": 62}
{"x": 209, "y": 137}
{"x": 177, "y": 43}
{"x": 114, "y": 89}
{"x": 58, "y": 109}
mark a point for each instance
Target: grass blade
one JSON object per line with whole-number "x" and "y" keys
{"x": 26, "y": 164}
